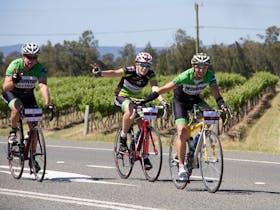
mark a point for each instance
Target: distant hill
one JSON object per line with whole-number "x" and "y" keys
{"x": 102, "y": 50}
{"x": 9, "y": 49}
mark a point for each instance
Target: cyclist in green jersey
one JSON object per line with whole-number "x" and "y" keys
{"x": 187, "y": 86}
{"x": 21, "y": 77}
{"x": 133, "y": 80}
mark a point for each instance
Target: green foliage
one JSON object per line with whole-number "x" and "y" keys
{"x": 241, "y": 94}
{"x": 98, "y": 93}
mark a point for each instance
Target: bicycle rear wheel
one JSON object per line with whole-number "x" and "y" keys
{"x": 174, "y": 163}
{"x": 38, "y": 156}
{"x": 211, "y": 161}
{"x": 152, "y": 148}
{"x": 122, "y": 160}
{"x": 16, "y": 160}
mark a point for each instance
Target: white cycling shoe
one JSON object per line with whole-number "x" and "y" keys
{"x": 183, "y": 176}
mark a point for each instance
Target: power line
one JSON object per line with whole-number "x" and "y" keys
{"x": 128, "y": 32}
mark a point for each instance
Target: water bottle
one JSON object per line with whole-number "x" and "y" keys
{"x": 192, "y": 146}
{"x": 137, "y": 135}
{"x": 196, "y": 139}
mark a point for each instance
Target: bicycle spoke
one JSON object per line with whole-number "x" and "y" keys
{"x": 122, "y": 159}
{"x": 174, "y": 164}
{"x": 211, "y": 162}
{"x": 153, "y": 151}
{"x": 38, "y": 155}
{"x": 15, "y": 160}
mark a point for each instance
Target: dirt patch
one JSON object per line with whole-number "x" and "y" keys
{"x": 238, "y": 131}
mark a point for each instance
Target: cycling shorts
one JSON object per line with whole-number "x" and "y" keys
{"x": 181, "y": 108}
{"x": 121, "y": 102}
{"x": 10, "y": 98}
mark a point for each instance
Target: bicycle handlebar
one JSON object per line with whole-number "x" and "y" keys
{"x": 22, "y": 114}
{"x": 228, "y": 113}
{"x": 136, "y": 107}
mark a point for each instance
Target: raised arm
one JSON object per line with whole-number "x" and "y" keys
{"x": 96, "y": 71}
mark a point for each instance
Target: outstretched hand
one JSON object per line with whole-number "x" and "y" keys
{"x": 96, "y": 70}
{"x": 137, "y": 101}
{"x": 227, "y": 110}
{"x": 166, "y": 107}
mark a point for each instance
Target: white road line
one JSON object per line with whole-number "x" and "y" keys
{"x": 253, "y": 161}
{"x": 65, "y": 176}
{"x": 166, "y": 154}
{"x": 105, "y": 167}
{"x": 84, "y": 148}
{"x": 74, "y": 200}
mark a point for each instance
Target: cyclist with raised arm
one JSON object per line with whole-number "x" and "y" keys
{"x": 187, "y": 86}
{"x": 133, "y": 80}
{"x": 21, "y": 77}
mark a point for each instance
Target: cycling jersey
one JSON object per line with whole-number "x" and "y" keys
{"x": 132, "y": 83}
{"x": 187, "y": 86}
{"x": 29, "y": 79}
{"x": 187, "y": 91}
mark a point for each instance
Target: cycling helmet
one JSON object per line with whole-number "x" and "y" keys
{"x": 30, "y": 48}
{"x": 200, "y": 58}
{"x": 144, "y": 57}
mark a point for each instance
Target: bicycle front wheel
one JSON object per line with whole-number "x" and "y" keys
{"x": 174, "y": 164}
{"x": 38, "y": 156}
{"x": 16, "y": 160}
{"x": 152, "y": 149}
{"x": 122, "y": 160}
{"x": 211, "y": 161}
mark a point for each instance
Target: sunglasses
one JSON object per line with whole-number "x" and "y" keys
{"x": 145, "y": 65}
{"x": 29, "y": 57}
{"x": 201, "y": 66}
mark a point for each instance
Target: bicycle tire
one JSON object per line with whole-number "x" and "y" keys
{"x": 16, "y": 160}
{"x": 38, "y": 155}
{"x": 174, "y": 163}
{"x": 153, "y": 149}
{"x": 123, "y": 160}
{"x": 211, "y": 161}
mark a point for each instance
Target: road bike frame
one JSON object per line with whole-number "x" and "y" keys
{"x": 148, "y": 145}
{"x": 29, "y": 148}
{"x": 208, "y": 154}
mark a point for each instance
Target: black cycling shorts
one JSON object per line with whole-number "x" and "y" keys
{"x": 28, "y": 101}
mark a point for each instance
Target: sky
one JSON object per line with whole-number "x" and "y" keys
{"x": 121, "y": 22}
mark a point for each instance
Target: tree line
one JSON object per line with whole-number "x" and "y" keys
{"x": 245, "y": 57}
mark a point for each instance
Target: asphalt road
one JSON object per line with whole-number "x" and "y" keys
{"x": 82, "y": 175}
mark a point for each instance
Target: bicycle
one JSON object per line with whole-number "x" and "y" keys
{"x": 207, "y": 153}
{"x": 148, "y": 144}
{"x": 31, "y": 148}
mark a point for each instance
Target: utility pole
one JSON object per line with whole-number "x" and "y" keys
{"x": 197, "y": 29}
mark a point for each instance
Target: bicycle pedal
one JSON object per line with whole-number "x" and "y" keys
{"x": 119, "y": 156}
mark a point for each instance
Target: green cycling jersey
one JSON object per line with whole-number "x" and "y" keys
{"x": 29, "y": 78}
{"x": 186, "y": 84}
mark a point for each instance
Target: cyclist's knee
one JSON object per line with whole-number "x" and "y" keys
{"x": 182, "y": 131}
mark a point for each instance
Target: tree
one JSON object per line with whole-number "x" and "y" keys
{"x": 127, "y": 55}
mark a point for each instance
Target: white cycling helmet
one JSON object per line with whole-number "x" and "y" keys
{"x": 30, "y": 48}
{"x": 144, "y": 57}
{"x": 200, "y": 58}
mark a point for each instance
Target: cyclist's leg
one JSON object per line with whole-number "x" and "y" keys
{"x": 30, "y": 102}
{"x": 181, "y": 120}
{"x": 181, "y": 149}
{"x": 127, "y": 108}
{"x": 15, "y": 105}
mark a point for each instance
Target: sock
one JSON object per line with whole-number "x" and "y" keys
{"x": 123, "y": 135}
{"x": 13, "y": 130}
